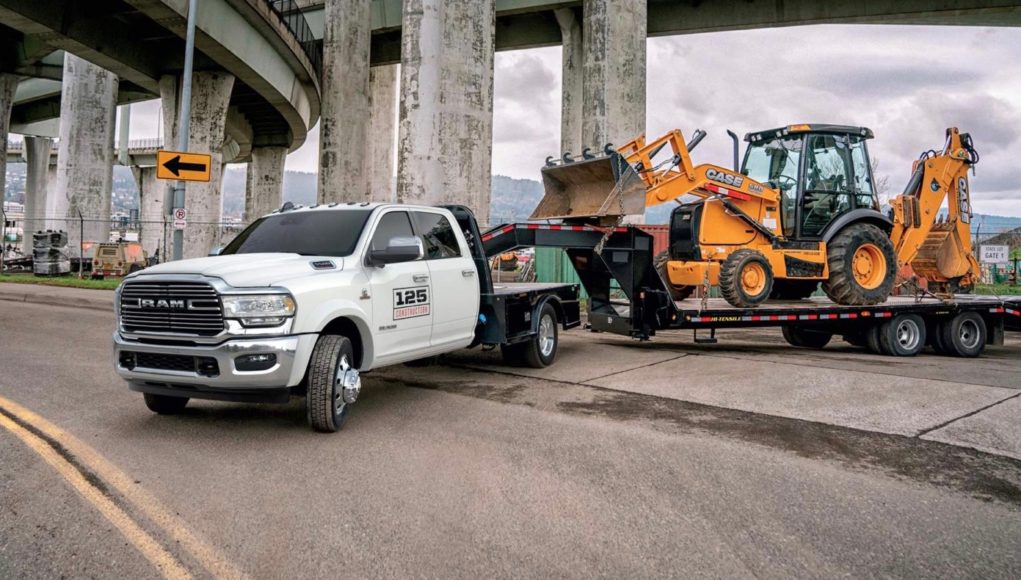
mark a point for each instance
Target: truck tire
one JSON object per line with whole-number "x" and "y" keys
{"x": 677, "y": 293}
{"x": 902, "y": 335}
{"x": 964, "y": 335}
{"x": 746, "y": 279}
{"x": 165, "y": 404}
{"x": 793, "y": 289}
{"x": 806, "y": 338}
{"x": 539, "y": 351}
{"x": 326, "y": 408}
{"x": 862, "y": 264}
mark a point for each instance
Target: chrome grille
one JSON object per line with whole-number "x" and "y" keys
{"x": 178, "y": 307}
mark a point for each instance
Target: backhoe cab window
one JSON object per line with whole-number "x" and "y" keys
{"x": 828, "y": 186}
{"x": 775, "y": 163}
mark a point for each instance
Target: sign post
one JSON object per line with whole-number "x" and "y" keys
{"x": 185, "y": 117}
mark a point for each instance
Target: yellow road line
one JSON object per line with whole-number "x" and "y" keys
{"x": 205, "y": 554}
{"x": 132, "y": 532}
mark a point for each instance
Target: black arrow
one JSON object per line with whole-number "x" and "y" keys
{"x": 176, "y": 167}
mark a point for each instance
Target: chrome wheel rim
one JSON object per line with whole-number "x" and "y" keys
{"x": 969, "y": 334}
{"x": 343, "y": 365}
{"x": 908, "y": 335}
{"x": 547, "y": 333}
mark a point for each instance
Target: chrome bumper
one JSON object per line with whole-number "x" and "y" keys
{"x": 291, "y": 352}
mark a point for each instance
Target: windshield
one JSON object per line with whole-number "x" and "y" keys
{"x": 309, "y": 233}
{"x": 774, "y": 161}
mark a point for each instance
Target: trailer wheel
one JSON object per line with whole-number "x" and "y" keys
{"x": 872, "y": 340}
{"x": 806, "y": 338}
{"x": 902, "y": 335}
{"x": 539, "y": 351}
{"x": 746, "y": 279}
{"x": 936, "y": 339}
{"x": 862, "y": 264}
{"x": 964, "y": 335}
{"x": 857, "y": 338}
{"x": 165, "y": 404}
{"x": 325, "y": 402}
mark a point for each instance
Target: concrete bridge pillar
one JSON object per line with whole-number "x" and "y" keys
{"x": 572, "y": 90}
{"x": 345, "y": 117}
{"x": 151, "y": 211}
{"x": 37, "y": 175}
{"x": 614, "y": 72}
{"x": 85, "y": 157}
{"x": 446, "y": 117}
{"x": 8, "y": 84}
{"x": 382, "y": 132}
{"x": 264, "y": 188}
{"x": 210, "y": 97}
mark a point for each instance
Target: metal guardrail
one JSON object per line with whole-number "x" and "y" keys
{"x": 290, "y": 14}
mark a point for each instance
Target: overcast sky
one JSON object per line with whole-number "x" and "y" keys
{"x": 906, "y": 83}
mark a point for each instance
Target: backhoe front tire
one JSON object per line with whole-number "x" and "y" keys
{"x": 746, "y": 279}
{"x": 863, "y": 266}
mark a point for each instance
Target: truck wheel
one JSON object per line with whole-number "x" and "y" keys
{"x": 165, "y": 404}
{"x": 806, "y": 338}
{"x": 902, "y": 335}
{"x": 677, "y": 293}
{"x": 746, "y": 279}
{"x": 964, "y": 335}
{"x": 862, "y": 266}
{"x": 332, "y": 357}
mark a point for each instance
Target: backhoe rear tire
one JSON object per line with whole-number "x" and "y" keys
{"x": 746, "y": 279}
{"x": 678, "y": 293}
{"x": 863, "y": 266}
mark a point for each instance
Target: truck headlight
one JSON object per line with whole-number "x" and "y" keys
{"x": 258, "y": 309}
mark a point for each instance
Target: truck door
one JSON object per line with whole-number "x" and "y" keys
{"x": 454, "y": 278}
{"x": 402, "y": 305}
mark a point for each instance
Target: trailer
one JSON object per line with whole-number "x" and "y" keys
{"x": 627, "y": 296}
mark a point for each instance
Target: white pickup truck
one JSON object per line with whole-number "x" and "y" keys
{"x": 305, "y": 299}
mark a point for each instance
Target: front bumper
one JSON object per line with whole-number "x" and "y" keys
{"x": 291, "y": 360}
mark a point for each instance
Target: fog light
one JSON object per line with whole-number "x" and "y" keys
{"x": 127, "y": 360}
{"x": 255, "y": 362}
{"x": 207, "y": 366}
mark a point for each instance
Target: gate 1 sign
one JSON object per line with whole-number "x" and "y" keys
{"x": 994, "y": 254}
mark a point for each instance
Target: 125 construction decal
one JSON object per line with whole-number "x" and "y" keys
{"x": 411, "y": 302}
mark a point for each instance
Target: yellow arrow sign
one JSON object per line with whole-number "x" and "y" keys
{"x": 181, "y": 166}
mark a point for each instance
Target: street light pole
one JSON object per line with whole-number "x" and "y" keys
{"x": 185, "y": 117}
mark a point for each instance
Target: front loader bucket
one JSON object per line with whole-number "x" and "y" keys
{"x": 600, "y": 189}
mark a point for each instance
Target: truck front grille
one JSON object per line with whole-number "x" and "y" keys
{"x": 191, "y": 308}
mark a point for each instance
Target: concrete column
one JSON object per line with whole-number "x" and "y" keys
{"x": 85, "y": 157}
{"x": 264, "y": 186}
{"x": 614, "y": 77}
{"x": 382, "y": 132}
{"x": 37, "y": 174}
{"x": 572, "y": 90}
{"x": 8, "y": 84}
{"x": 151, "y": 210}
{"x": 446, "y": 118}
{"x": 345, "y": 116}
{"x": 210, "y": 97}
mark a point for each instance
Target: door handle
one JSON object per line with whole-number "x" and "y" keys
{"x": 467, "y": 273}
{"x": 420, "y": 278}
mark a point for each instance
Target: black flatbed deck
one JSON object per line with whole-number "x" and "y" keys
{"x": 514, "y": 288}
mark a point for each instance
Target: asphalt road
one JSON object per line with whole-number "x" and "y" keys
{"x": 465, "y": 473}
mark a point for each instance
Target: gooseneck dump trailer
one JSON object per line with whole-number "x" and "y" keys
{"x": 627, "y": 296}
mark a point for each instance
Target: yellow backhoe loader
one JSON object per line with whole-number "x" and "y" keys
{"x": 801, "y": 210}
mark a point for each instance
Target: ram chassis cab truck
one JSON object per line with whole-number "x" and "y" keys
{"x": 306, "y": 299}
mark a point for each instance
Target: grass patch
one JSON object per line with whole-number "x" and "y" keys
{"x": 998, "y": 289}
{"x": 69, "y": 281}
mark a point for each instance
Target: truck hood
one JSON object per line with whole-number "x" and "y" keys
{"x": 247, "y": 270}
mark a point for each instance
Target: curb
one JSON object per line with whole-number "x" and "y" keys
{"x": 88, "y": 303}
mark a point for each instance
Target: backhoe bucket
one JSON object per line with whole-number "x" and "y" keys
{"x": 600, "y": 189}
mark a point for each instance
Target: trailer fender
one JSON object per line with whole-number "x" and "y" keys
{"x": 558, "y": 308}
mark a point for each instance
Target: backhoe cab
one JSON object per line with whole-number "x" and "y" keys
{"x": 802, "y": 210}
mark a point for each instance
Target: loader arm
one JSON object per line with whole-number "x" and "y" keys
{"x": 937, "y": 250}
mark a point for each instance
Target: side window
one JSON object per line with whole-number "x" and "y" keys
{"x": 828, "y": 187}
{"x": 392, "y": 225}
{"x": 864, "y": 192}
{"x": 437, "y": 235}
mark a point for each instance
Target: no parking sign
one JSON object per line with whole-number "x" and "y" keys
{"x": 180, "y": 218}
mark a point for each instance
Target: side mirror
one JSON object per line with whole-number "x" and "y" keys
{"x": 216, "y": 251}
{"x": 399, "y": 249}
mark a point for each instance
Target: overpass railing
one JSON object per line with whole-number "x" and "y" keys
{"x": 290, "y": 14}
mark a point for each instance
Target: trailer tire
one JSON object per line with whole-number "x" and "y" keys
{"x": 677, "y": 293}
{"x": 965, "y": 335}
{"x": 863, "y": 266}
{"x": 541, "y": 350}
{"x": 859, "y": 339}
{"x": 902, "y": 335}
{"x": 165, "y": 404}
{"x": 746, "y": 279}
{"x": 326, "y": 412}
{"x": 805, "y": 337}
{"x": 936, "y": 339}
{"x": 872, "y": 341}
